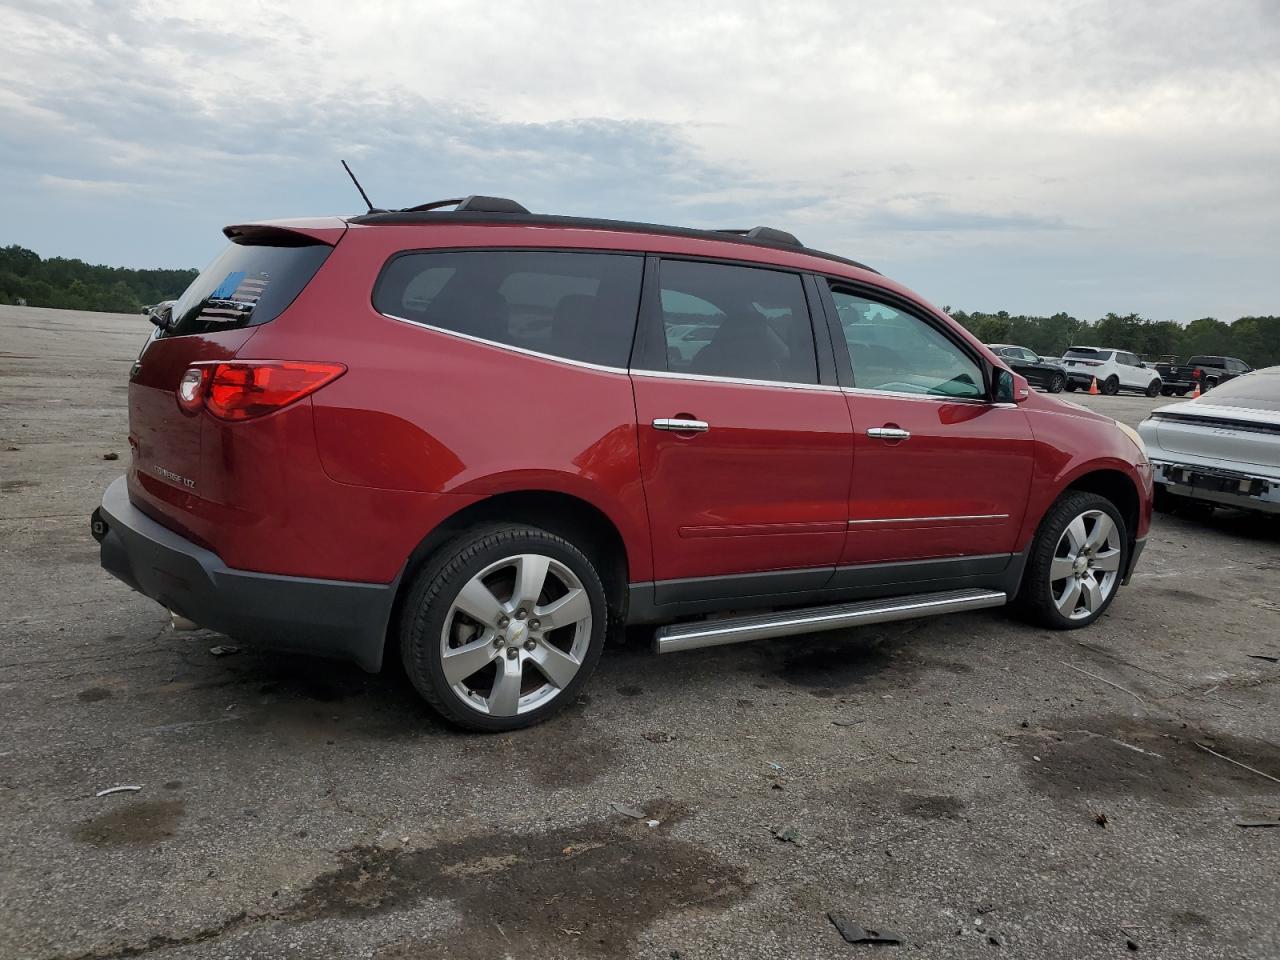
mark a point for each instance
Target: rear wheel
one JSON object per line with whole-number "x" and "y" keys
{"x": 1057, "y": 382}
{"x": 1111, "y": 386}
{"x": 1181, "y": 393}
{"x": 1153, "y": 388}
{"x": 1071, "y": 387}
{"x": 503, "y": 627}
{"x": 1076, "y": 562}
{"x": 1167, "y": 391}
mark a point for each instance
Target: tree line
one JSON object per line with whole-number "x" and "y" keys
{"x": 1255, "y": 340}
{"x": 76, "y": 285}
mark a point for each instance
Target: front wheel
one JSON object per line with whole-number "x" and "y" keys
{"x": 503, "y": 627}
{"x": 1111, "y": 386}
{"x": 1153, "y": 388}
{"x": 1076, "y": 562}
{"x": 1057, "y": 383}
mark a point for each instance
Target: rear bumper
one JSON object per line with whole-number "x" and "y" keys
{"x": 1231, "y": 488}
{"x": 329, "y": 618}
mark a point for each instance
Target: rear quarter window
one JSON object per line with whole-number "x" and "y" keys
{"x": 246, "y": 285}
{"x": 575, "y": 305}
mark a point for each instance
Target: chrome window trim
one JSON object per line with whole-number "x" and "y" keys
{"x": 741, "y": 381}
{"x": 505, "y": 346}
{"x": 933, "y": 398}
{"x": 971, "y": 516}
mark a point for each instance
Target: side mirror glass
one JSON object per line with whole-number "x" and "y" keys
{"x": 1010, "y": 387}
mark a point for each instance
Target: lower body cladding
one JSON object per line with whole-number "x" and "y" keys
{"x": 1231, "y": 488}
{"x": 334, "y": 618}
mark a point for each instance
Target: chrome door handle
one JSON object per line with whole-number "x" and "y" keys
{"x": 677, "y": 425}
{"x": 889, "y": 433}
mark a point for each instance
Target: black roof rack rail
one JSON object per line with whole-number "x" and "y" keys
{"x": 771, "y": 234}
{"x": 430, "y": 214}
{"x": 471, "y": 204}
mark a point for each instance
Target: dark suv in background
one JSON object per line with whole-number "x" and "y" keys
{"x": 1038, "y": 371}
{"x": 478, "y": 439}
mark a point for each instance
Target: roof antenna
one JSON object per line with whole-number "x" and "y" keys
{"x": 363, "y": 195}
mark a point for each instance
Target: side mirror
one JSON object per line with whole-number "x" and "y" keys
{"x": 1010, "y": 387}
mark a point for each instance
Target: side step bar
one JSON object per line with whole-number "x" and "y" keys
{"x": 712, "y": 633}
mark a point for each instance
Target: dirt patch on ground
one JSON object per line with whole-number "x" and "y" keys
{"x": 132, "y": 824}
{"x": 585, "y": 890}
{"x": 1149, "y": 757}
{"x": 934, "y": 807}
{"x": 93, "y": 694}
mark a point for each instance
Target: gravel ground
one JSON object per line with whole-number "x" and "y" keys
{"x": 969, "y": 783}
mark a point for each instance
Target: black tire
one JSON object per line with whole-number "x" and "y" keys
{"x": 1181, "y": 393}
{"x": 1035, "y": 597}
{"x": 1111, "y": 386}
{"x": 433, "y": 593}
{"x": 1153, "y": 388}
{"x": 1057, "y": 383}
{"x": 1071, "y": 387}
{"x": 1167, "y": 391}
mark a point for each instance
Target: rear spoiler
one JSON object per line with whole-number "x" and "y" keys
{"x": 288, "y": 233}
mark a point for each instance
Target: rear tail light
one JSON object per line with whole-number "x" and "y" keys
{"x": 191, "y": 389}
{"x": 244, "y": 389}
{"x": 1195, "y": 374}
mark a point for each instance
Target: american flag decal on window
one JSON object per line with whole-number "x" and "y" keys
{"x": 236, "y": 296}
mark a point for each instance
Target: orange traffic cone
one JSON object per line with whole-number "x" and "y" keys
{"x": 1196, "y": 392}
{"x": 1093, "y": 387}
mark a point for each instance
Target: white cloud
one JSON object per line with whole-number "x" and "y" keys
{"x": 946, "y": 139}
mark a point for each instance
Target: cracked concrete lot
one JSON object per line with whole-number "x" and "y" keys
{"x": 975, "y": 785}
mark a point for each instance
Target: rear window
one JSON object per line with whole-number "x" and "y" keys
{"x": 1207, "y": 362}
{"x": 580, "y": 306}
{"x": 247, "y": 284}
{"x": 1085, "y": 353}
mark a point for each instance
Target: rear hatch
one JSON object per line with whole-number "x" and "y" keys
{"x": 1238, "y": 436}
{"x": 250, "y": 283}
{"x": 1084, "y": 358}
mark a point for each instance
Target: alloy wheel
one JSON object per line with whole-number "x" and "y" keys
{"x": 516, "y": 635}
{"x": 1086, "y": 565}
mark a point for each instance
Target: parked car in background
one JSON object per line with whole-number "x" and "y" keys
{"x": 478, "y": 440}
{"x": 1203, "y": 371}
{"x": 1222, "y": 448}
{"x": 1038, "y": 371}
{"x": 1115, "y": 370}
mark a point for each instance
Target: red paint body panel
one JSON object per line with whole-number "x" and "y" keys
{"x": 346, "y": 483}
{"x": 771, "y": 473}
{"x": 963, "y": 460}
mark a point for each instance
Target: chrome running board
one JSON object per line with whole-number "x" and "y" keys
{"x": 712, "y": 633}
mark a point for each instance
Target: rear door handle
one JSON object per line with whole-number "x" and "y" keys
{"x": 681, "y": 425}
{"x": 889, "y": 433}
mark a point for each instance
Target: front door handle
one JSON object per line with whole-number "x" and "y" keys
{"x": 681, "y": 425}
{"x": 889, "y": 433}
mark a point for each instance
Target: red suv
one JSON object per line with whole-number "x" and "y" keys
{"x": 482, "y": 439}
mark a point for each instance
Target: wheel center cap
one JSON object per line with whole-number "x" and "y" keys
{"x": 1081, "y": 564}
{"x": 516, "y": 632}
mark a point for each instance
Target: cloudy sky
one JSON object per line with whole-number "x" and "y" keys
{"x": 1029, "y": 155}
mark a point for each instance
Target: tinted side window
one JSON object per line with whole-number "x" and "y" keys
{"x": 247, "y": 284}
{"x": 581, "y": 306}
{"x": 729, "y": 321}
{"x": 895, "y": 351}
